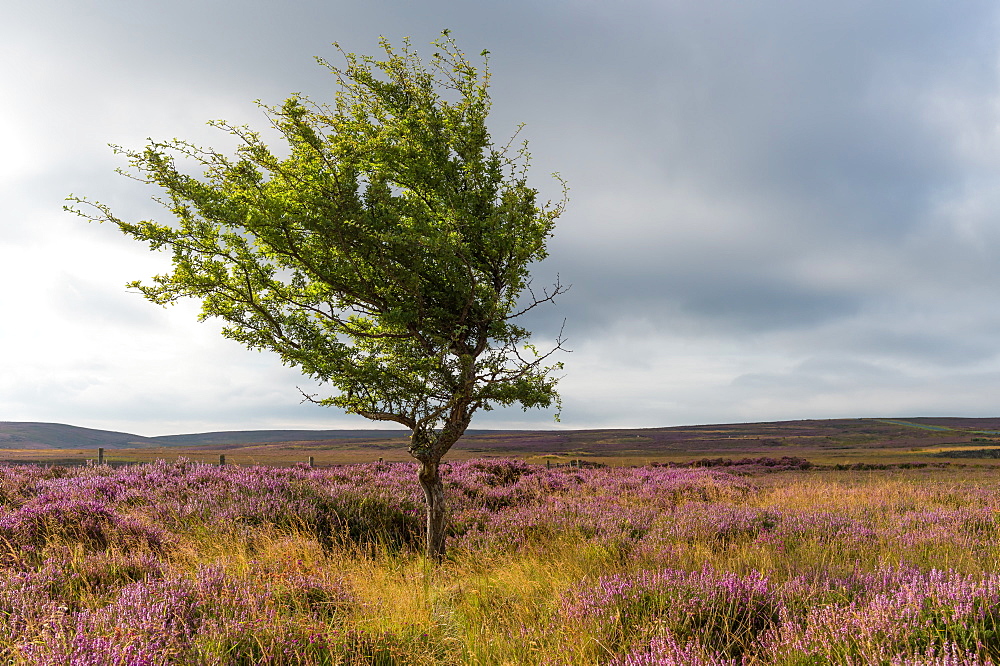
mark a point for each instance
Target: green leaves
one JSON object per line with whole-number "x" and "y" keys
{"x": 385, "y": 250}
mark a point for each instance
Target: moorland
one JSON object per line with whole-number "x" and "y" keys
{"x": 883, "y": 551}
{"x": 828, "y": 441}
{"x": 188, "y": 563}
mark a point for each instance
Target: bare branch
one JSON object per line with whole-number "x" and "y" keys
{"x": 557, "y": 290}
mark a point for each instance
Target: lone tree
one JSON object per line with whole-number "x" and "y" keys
{"x": 386, "y": 255}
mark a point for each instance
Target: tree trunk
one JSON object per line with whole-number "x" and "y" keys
{"x": 430, "y": 482}
{"x": 428, "y": 447}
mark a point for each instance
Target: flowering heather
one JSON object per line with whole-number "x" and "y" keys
{"x": 90, "y": 525}
{"x": 184, "y": 563}
{"x": 726, "y": 611}
{"x": 888, "y": 615}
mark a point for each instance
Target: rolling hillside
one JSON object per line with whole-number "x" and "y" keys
{"x": 235, "y": 437}
{"x": 829, "y": 434}
{"x": 28, "y": 435}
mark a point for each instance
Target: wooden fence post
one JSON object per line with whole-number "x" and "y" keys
{"x": 222, "y": 458}
{"x": 312, "y": 461}
{"x": 100, "y": 456}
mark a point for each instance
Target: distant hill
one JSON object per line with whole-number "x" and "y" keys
{"x": 26, "y": 435}
{"x": 893, "y": 433}
{"x": 264, "y": 436}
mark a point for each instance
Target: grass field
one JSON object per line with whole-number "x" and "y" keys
{"x": 187, "y": 563}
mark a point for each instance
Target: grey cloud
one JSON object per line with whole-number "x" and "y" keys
{"x": 926, "y": 348}
{"x": 820, "y": 374}
{"x": 814, "y": 120}
{"x": 763, "y": 306}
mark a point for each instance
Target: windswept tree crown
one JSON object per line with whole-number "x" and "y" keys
{"x": 384, "y": 251}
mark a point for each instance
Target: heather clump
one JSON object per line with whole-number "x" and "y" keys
{"x": 212, "y": 617}
{"x": 44, "y": 522}
{"x": 27, "y": 606}
{"x": 889, "y": 615}
{"x": 341, "y": 513}
{"x": 664, "y": 487}
{"x": 613, "y": 507}
{"x": 18, "y": 484}
{"x": 361, "y": 507}
{"x": 492, "y": 484}
{"x": 667, "y": 651}
{"x": 538, "y": 525}
{"x": 714, "y": 522}
{"x": 891, "y": 612}
{"x": 724, "y": 612}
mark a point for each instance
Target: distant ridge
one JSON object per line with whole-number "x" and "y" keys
{"x": 31, "y": 435}
{"x": 886, "y": 432}
{"x": 263, "y": 436}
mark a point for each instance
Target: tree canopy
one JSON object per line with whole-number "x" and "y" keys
{"x": 385, "y": 251}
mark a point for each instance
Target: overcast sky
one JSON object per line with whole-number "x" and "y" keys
{"x": 779, "y": 209}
